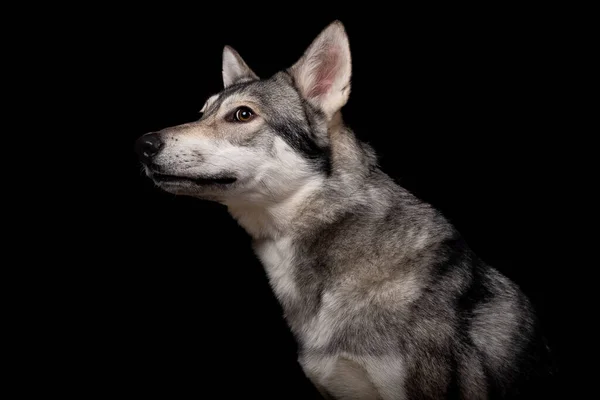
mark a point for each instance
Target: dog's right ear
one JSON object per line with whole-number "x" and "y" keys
{"x": 235, "y": 69}
{"x": 322, "y": 75}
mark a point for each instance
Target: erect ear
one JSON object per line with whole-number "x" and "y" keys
{"x": 323, "y": 73}
{"x": 235, "y": 69}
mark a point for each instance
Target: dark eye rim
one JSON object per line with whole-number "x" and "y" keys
{"x": 234, "y": 116}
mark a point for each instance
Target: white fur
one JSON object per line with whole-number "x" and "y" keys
{"x": 348, "y": 376}
{"x": 341, "y": 376}
{"x": 209, "y": 102}
{"x": 281, "y": 184}
{"x": 421, "y": 240}
{"x": 387, "y": 374}
{"x": 277, "y": 257}
{"x": 321, "y": 328}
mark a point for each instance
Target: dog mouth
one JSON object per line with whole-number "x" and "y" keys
{"x": 164, "y": 178}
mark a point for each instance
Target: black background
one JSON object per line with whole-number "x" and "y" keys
{"x": 460, "y": 106}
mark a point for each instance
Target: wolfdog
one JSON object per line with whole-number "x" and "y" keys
{"x": 383, "y": 296}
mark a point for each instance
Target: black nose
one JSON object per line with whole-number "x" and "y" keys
{"x": 148, "y": 146}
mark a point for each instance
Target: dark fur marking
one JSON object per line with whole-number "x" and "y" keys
{"x": 299, "y": 139}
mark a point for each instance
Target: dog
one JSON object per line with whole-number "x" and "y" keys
{"x": 383, "y": 295}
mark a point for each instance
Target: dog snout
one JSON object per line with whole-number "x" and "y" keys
{"x": 148, "y": 146}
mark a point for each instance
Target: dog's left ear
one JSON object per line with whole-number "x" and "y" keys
{"x": 235, "y": 69}
{"x": 323, "y": 73}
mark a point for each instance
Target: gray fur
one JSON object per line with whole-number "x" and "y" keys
{"x": 385, "y": 298}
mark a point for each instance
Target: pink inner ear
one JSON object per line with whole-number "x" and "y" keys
{"x": 326, "y": 72}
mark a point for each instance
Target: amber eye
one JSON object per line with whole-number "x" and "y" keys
{"x": 243, "y": 114}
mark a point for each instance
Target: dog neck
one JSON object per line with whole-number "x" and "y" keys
{"x": 274, "y": 219}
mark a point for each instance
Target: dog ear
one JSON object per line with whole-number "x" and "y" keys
{"x": 235, "y": 69}
{"x": 323, "y": 73}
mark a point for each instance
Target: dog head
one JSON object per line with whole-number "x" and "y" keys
{"x": 257, "y": 140}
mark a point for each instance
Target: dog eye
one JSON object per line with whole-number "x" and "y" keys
{"x": 243, "y": 114}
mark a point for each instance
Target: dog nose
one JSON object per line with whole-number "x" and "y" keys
{"x": 148, "y": 146}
